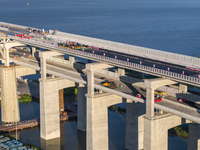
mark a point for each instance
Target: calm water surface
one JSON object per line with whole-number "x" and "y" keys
{"x": 171, "y": 25}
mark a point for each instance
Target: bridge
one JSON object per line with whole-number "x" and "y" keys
{"x": 145, "y": 129}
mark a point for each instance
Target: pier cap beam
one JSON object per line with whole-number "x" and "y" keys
{"x": 47, "y": 54}
{"x": 151, "y": 85}
{"x": 156, "y": 83}
{"x": 97, "y": 66}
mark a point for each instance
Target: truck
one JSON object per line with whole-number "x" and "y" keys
{"x": 109, "y": 83}
{"x": 159, "y": 93}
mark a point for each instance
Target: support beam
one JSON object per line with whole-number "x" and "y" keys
{"x": 151, "y": 85}
{"x": 156, "y": 131}
{"x": 9, "y": 100}
{"x": 33, "y": 50}
{"x": 43, "y": 56}
{"x": 151, "y": 126}
{"x": 6, "y": 53}
{"x": 97, "y": 120}
{"x": 149, "y": 103}
{"x": 43, "y": 62}
{"x": 90, "y": 82}
{"x": 49, "y": 109}
{"x": 48, "y": 54}
{"x": 49, "y": 106}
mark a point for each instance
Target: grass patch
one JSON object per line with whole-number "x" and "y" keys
{"x": 180, "y": 131}
{"x": 25, "y": 98}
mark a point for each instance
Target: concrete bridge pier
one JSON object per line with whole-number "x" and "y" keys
{"x": 49, "y": 100}
{"x": 9, "y": 97}
{"x": 82, "y": 90}
{"x": 97, "y": 117}
{"x": 97, "y": 120}
{"x": 49, "y": 109}
{"x": 156, "y": 130}
{"x": 153, "y": 131}
{"x": 194, "y": 137}
{"x": 134, "y": 125}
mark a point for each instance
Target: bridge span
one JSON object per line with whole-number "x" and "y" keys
{"x": 145, "y": 129}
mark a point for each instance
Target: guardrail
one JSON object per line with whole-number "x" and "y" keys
{"x": 130, "y": 49}
{"x": 114, "y": 61}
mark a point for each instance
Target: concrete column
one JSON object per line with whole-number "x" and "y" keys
{"x": 71, "y": 60}
{"x": 97, "y": 125}
{"x": 155, "y": 135}
{"x": 121, "y": 72}
{"x": 82, "y": 90}
{"x": 6, "y": 53}
{"x": 97, "y": 120}
{"x": 49, "y": 109}
{"x": 43, "y": 68}
{"x": 194, "y": 137}
{"x": 156, "y": 131}
{"x": 9, "y": 100}
{"x": 90, "y": 81}
{"x": 182, "y": 88}
{"x": 134, "y": 125}
{"x": 149, "y": 103}
{"x": 33, "y": 50}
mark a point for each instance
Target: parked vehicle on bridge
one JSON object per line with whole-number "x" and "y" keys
{"x": 138, "y": 96}
{"x": 157, "y": 100}
{"x": 160, "y": 93}
{"x": 195, "y": 69}
{"x": 27, "y": 37}
{"x": 93, "y": 47}
{"x": 20, "y": 35}
{"x": 182, "y": 99}
{"x": 109, "y": 83}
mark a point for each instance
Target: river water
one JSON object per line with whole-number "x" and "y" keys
{"x": 171, "y": 25}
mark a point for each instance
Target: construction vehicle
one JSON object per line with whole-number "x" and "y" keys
{"x": 109, "y": 83}
{"x": 159, "y": 93}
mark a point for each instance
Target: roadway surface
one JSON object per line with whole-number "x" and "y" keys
{"x": 121, "y": 56}
{"x": 186, "y": 110}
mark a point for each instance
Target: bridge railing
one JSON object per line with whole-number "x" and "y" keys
{"x": 113, "y": 61}
{"x": 130, "y": 49}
